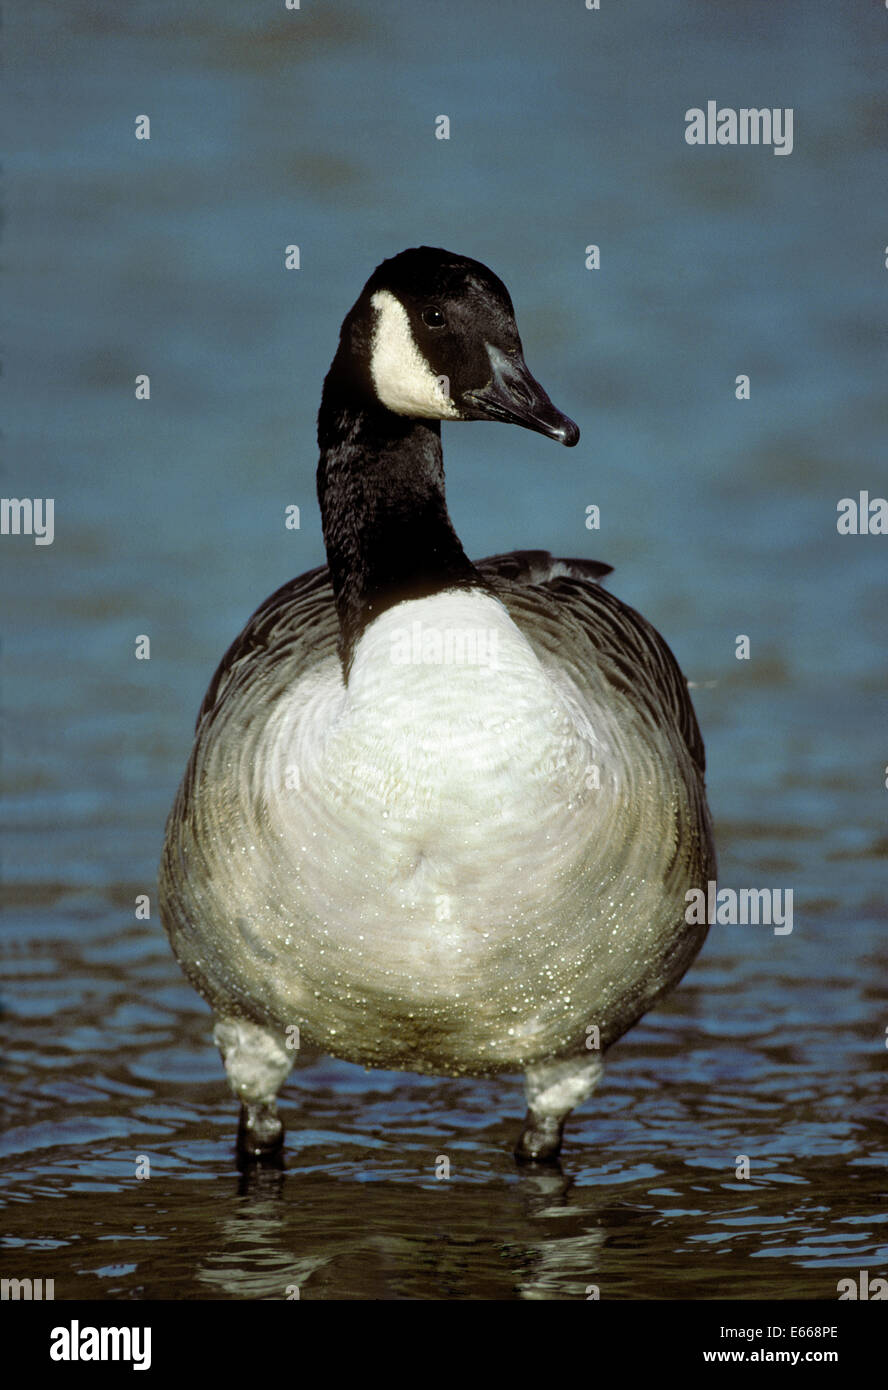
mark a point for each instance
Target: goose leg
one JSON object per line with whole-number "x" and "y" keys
{"x": 257, "y": 1064}
{"x": 553, "y": 1089}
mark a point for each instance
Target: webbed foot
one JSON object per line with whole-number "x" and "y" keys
{"x": 540, "y": 1140}
{"x": 260, "y": 1133}
{"x": 554, "y": 1088}
{"x": 257, "y": 1063}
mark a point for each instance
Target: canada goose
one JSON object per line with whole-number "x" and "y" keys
{"x": 439, "y": 816}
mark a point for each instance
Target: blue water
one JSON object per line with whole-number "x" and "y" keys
{"x": 165, "y": 257}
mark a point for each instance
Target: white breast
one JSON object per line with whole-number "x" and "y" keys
{"x": 451, "y": 765}
{"x": 426, "y": 874}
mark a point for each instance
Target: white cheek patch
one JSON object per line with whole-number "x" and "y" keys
{"x": 402, "y": 377}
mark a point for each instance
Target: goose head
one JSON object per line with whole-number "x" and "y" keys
{"x": 433, "y": 337}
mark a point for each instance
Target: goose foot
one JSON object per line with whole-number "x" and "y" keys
{"x": 554, "y": 1089}
{"x": 260, "y": 1133}
{"x": 257, "y": 1063}
{"x": 540, "y": 1140}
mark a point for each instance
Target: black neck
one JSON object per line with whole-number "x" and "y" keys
{"x": 386, "y": 527}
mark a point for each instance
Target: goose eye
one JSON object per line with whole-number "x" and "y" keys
{"x": 432, "y": 317}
